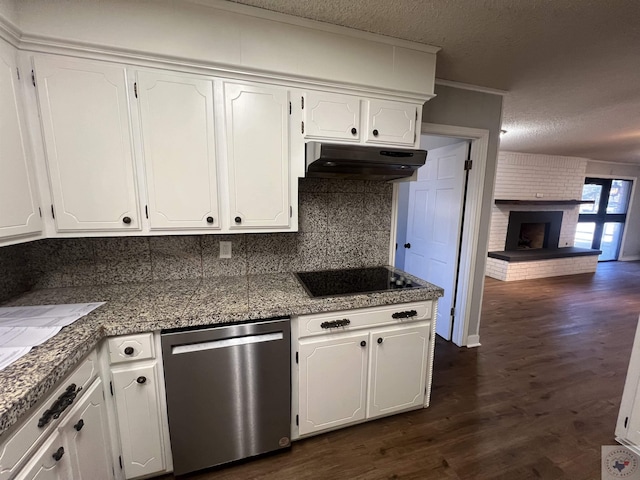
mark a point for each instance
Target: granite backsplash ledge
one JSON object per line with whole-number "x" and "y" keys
{"x": 342, "y": 224}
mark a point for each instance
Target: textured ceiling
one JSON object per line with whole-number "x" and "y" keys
{"x": 571, "y": 67}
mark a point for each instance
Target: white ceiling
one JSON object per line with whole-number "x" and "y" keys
{"x": 571, "y": 67}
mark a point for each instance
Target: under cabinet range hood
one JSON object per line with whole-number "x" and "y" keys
{"x": 329, "y": 160}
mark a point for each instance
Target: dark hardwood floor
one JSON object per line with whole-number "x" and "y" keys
{"x": 536, "y": 400}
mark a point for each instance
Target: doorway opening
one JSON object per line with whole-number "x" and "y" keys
{"x": 430, "y": 222}
{"x": 601, "y": 224}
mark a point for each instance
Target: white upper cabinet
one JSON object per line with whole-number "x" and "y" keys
{"x": 331, "y": 116}
{"x": 391, "y": 122}
{"x": 257, "y": 156}
{"x": 87, "y": 135}
{"x": 19, "y": 213}
{"x": 178, "y": 139}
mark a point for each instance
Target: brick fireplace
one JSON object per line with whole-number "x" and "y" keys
{"x": 534, "y": 219}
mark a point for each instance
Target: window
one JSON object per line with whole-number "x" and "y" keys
{"x": 601, "y": 224}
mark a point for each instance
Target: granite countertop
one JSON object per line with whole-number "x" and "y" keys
{"x": 147, "y": 307}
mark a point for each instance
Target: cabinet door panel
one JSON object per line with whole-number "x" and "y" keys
{"x": 257, "y": 119}
{"x": 87, "y": 434}
{"x": 179, "y": 150}
{"x": 18, "y": 200}
{"x": 398, "y": 368}
{"x": 138, "y": 411}
{"x": 43, "y": 466}
{"x": 331, "y": 116}
{"x": 87, "y": 133}
{"x": 391, "y": 122}
{"x": 333, "y": 381}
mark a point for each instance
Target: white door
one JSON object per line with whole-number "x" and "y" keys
{"x": 87, "y": 434}
{"x": 87, "y": 133}
{"x": 257, "y": 126}
{"x": 391, "y": 122}
{"x": 433, "y": 226}
{"x": 331, "y": 116}
{"x": 333, "y": 381}
{"x": 50, "y": 462}
{"x": 19, "y": 213}
{"x": 179, "y": 150}
{"x": 398, "y": 364}
{"x": 139, "y": 421}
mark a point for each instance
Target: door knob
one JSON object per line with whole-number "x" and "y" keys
{"x": 379, "y": 339}
{"x": 141, "y": 380}
{"x": 407, "y": 245}
{"x": 126, "y": 220}
{"x": 375, "y": 133}
{"x": 237, "y": 220}
{"x": 354, "y": 131}
{"x": 58, "y": 455}
{"x": 363, "y": 343}
{"x": 209, "y": 219}
{"x": 128, "y": 351}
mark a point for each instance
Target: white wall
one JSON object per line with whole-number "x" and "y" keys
{"x": 630, "y": 250}
{"x": 520, "y": 176}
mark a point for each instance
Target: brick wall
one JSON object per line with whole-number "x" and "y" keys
{"x": 520, "y": 176}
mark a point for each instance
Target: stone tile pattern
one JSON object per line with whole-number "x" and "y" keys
{"x": 14, "y": 277}
{"x": 343, "y": 224}
{"x": 147, "y": 307}
{"x": 509, "y": 271}
{"x": 520, "y": 176}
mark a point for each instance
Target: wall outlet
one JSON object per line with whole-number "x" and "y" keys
{"x": 225, "y": 249}
{"x": 539, "y": 195}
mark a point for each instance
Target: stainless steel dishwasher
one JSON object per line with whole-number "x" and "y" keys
{"x": 228, "y": 392}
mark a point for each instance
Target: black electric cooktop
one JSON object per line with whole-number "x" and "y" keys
{"x": 331, "y": 283}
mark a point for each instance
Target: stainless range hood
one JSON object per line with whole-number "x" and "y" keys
{"x": 328, "y": 160}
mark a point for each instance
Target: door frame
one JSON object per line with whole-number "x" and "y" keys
{"x": 470, "y": 227}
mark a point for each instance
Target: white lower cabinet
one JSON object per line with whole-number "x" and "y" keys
{"x": 377, "y": 362}
{"x": 628, "y": 424}
{"x": 333, "y": 381}
{"x": 51, "y": 462}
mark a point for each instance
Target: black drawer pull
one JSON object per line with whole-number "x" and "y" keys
{"x": 363, "y": 343}
{"x": 78, "y": 426}
{"x": 407, "y": 314}
{"x": 141, "y": 380}
{"x": 60, "y": 405}
{"x": 128, "y": 351}
{"x": 380, "y": 340}
{"x": 335, "y": 323}
{"x": 58, "y": 455}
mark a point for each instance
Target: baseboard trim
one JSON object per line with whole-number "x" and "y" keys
{"x": 473, "y": 341}
{"x": 629, "y": 258}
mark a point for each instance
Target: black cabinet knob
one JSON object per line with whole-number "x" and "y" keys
{"x": 379, "y": 339}
{"x": 407, "y": 245}
{"x": 128, "y": 351}
{"x": 141, "y": 379}
{"x": 126, "y": 220}
{"x": 237, "y": 220}
{"x": 78, "y": 426}
{"x": 363, "y": 343}
{"x": 375, "y": 132}
{"x": 354, "y": 131}
{"x": 209, "y": 219}
{"x": 58, "y": 455}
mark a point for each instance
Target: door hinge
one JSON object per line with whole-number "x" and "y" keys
{"x": 53, "y": 212}
{"x": 146, "y": 211}
{"x": 18, "y": 72}
{"x": 296, "y": 357}
{"x": 297, "y": 420}
{"x": 40, "y": 211}
{"x": 468, "y": 164}
{"x": 33, "y": 78}
{"x": 302, "y": 102}
{"x": 453, "y": 311}
{"x": 626, "y": 420}
{"x": 135, "y": 89}
{"x": 120, "y": 461}
{"x": 302, "y": 126}
{"x": 290, "y": 211}
{"x": 289, "y": 108}
{"x": 111, "y": 388}
{"x": 416, "y": 114}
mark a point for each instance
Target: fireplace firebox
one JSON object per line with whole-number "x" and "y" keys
{"x": 533, "y": 230}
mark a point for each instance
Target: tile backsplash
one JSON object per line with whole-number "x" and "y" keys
{"x": 342, "y": 224}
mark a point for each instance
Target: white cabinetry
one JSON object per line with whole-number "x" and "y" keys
{"x": 361, "y": 364}
{"x": 257, "y": 156}
{"x": 177, "y": 119}
{"x": 87, "y": 134}
{"x": 51, "y": 462}
{"x": 335, "y": 117}
{"x": 19, "y": 213}
{"x": 628, "y": 425}
{"x": 138, "y": 390}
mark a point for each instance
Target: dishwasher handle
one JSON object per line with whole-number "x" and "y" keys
{"x": 226, "y": 342}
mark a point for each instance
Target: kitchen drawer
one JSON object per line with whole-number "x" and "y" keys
{"x": 321, "y": 323}
{"x": 131, "y": 347}
{"x": 26, "y": 438}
